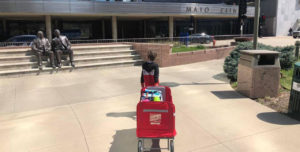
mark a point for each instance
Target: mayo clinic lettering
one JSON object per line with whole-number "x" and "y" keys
{"x": 207, "y": 10}
{"x": 99, "y": 19}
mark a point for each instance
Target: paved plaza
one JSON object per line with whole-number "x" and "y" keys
{"x": 273, "y": 41}
{"x": 94, "y": 111}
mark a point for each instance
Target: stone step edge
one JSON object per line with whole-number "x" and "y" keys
{"x": 8, "y": 72}
{"x": 83, "y": 59}
{"x": 74, "y": 48}
{"x": 107, "y": 57}
{"x": 32, "y": 56}
{"x": 77, "y": 51}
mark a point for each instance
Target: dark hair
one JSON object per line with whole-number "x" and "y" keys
{"x": 152, "y": 55}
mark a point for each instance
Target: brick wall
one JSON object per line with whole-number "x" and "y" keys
{"x": 166, "y": 58}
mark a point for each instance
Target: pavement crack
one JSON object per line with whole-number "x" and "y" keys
{"x": 81, "y": 128}
{"x": 77, "y": 119}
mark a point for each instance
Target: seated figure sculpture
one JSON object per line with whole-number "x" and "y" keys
{"x": 62, "y": 46}
{"x": 41, "y": 47}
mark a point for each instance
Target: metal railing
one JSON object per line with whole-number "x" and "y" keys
{"x": 189, "y": 40}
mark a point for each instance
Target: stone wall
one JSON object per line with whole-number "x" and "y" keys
{"x": 166, "y": 58}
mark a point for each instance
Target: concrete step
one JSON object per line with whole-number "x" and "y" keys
{"x": 77, "y": 55}
{"x": 17, "y": 59}
{"x": 25, "y": 52}
{"x": 91, "y": 60}
{"x": 18, "y": 66}
{"x": 102, "y": 48}
{"x": 103, "y": 53}
{"x": 21, "y": 61}
{"x": 35, "y": 71}
{"x": 79, "y": 61}
{"x": 75, "y": 48}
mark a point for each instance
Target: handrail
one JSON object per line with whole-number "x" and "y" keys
{"x": 171, "y": 40}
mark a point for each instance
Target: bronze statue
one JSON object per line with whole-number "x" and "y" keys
{"x": 62, "y": 46}
{"x": 41, "y": 47}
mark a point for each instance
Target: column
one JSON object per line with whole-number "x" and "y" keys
{"x": 114, "y": 27}
{"x": 195, "y": 25}
{"x": 48, "y": 27}
{"x": 145, "y": 32}
{"x": 4, "y": 27}
{"x": 171, "y": 26}
{"x": 103, "y": 29}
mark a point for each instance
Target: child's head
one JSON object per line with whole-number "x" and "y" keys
{"x": 151, "y": 56}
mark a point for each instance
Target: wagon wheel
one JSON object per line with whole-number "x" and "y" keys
{"x": 172, "y": 145}
{"x": 140, "y": 146}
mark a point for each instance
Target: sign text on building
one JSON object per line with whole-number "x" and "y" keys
{"x": 208, "y": 10}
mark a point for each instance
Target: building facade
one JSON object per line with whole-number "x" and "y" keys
{"x": 281, "y": 15}
{"x": 101, "y": 19}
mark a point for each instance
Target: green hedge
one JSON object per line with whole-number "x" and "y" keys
{"x": 231, "y": 62}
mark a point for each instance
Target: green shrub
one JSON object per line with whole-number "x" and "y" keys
{"x": 201, "y": 47}
{"x": 231, "y": 62}
{"x": 286, "y": 56}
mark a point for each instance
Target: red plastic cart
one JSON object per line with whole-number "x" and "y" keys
{"x": 156, "y": 120}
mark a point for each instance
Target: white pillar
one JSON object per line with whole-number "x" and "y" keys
{"x": 48, "y": 27}
{"x": 171, "y": 26}
{"x": 103, "y": 29}
{"x": 114, "y": 27}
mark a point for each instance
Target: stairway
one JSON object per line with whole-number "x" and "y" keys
{"x": 21, "y": 61}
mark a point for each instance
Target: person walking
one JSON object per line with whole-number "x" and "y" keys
{"x": 150, "y": 71}
{"x": 150, "y": 77}
{"x": 291, "y": 32}
{"x": 41, "y": 47}
{"x": 61, "y": 45}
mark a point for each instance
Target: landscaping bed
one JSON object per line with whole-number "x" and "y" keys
{"x": 183, "y": 48}
{"x": 287, "y": 61}
{"x": 281, "y": 103}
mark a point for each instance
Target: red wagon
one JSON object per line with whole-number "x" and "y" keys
{"x": 156, "y": 116}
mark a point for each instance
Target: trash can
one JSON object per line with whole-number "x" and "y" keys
{"x": 259, "y": 73}
{"x": 294, "y": 105}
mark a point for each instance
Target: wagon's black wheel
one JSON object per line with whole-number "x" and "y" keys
{"x": 172, "y": 145}
{"x": 140, "y": 146}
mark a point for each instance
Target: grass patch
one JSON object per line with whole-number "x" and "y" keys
{"x": 287, "y": 78}
{"x": 234, "y": 85}
{"x": 183, "y": 48}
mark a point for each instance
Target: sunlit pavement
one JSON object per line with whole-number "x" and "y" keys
{"x": 273, "y": 41}
{"x": 94, "y": 111}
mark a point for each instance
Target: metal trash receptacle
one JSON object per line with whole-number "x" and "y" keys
{"x": 259, "y": 73}
{"x": 294, "y": 105}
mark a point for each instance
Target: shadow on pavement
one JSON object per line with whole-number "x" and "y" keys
{"x": 124, "y": 141}
{"x": 174, "y": 84}
{"x": 227, "y": 94}
{"x": 221, "y": 77}
{"x": 294, "y": 116}
{"x": 277, "y": 118}
{"x": 131, "y": 115}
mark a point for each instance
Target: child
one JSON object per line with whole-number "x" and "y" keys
{"x": 150, "y": 71}
{"x": 150, "y": 77}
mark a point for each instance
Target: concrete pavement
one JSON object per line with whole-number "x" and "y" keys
{"x": 94, "y": 111}
{"x": 273, "y": 41}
